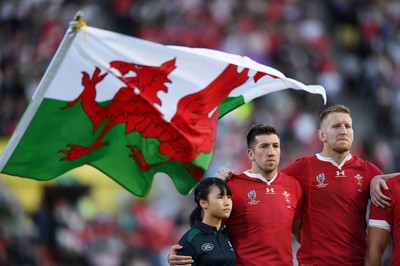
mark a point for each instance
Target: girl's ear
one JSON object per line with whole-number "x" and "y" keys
{"x": 203, "y": 204}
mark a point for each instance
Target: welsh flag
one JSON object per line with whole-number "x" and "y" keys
{"x": 133, "y": 108}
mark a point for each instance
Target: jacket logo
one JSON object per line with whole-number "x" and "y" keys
{"x": 207, "y": 247}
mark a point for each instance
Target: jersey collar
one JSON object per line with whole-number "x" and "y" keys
{"x": 207, "y": 228}
{"x": 330, "y": 160}
{"x": 260, "y": 176}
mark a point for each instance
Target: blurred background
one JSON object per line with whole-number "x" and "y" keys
{"x": 352, "y": 48}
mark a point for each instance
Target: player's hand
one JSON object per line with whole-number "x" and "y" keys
{"x": 377, "y": 197}
{"x": 174, "y": 259}
{"x": 225, "y": 173}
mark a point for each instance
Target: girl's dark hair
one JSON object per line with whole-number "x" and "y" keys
{"x": 202, "y": 191}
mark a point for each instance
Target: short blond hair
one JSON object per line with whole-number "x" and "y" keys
{"x": 337, "y": 108}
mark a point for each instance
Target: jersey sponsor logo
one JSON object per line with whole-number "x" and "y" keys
{"x": 252, "y": 196}
{"x": 321, "y": 181}
{"x": 340, "y": 174}
{"x": 269, "y": 190}
{"x": 207, "y": 247}
{"x": 360, "y": 181}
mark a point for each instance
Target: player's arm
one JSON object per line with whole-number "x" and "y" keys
{"x": 174, "y": 259}
{"x": 377, "y": 184}
{"x": 377, "y": 241}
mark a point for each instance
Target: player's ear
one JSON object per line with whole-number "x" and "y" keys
{"x": 321, "y": 135}
{"x": 250, "y": 154}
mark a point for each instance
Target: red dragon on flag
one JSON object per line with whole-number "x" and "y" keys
{"x": 133, "y": 109}
{"x": 190, "y": 132}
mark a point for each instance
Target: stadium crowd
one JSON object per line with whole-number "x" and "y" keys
{"x": 352, "y": 48}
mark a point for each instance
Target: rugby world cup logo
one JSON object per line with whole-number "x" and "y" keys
{"x": 321, "y": 180}
{"x": 252, "y": 196}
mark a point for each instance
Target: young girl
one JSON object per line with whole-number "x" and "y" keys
{"x": 207, "y": 241}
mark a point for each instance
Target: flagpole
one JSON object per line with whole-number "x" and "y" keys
{"x": 74, "y": 27}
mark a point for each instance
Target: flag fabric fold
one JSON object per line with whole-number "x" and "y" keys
{"x": 133, "y": 108}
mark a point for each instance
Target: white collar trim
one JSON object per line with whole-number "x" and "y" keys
{"x": 260, "y": 176}
{"x": 330, "y": 160}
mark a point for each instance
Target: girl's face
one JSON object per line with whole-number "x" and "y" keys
{"x": 217, "y": 205}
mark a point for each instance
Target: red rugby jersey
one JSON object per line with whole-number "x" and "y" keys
{"x": 260, "y": 225}
{"x": 335, "y": 199}
{"x": 391, "y": 215}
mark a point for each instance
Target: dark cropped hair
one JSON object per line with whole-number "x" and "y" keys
{"x": 337, "y": 108}
{"x": 202, "y": 191}
{"x": 256, "y": 130}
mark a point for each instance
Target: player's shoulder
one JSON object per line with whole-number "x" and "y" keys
{"x": 287, "y": 177}
{"x": 243, "y": 180}
{"x": 300, "y": 163}
{"x": 291, "y": 183}
{"x": 356, "y": 160}
{"x": 238, "y": 180}
{"x": 394, "y": 182}
{"x": 305, "y": 159}
{"x": 241, "y": 177}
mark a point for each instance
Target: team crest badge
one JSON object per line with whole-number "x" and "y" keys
{"x": 286, "y": 195}
{"x": 359, "y": 181}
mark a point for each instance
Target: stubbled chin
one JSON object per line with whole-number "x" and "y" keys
{"x": 342, "y": 149}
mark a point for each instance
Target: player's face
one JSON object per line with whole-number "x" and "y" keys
{"x": 218, "y": 205}
{"x": 337, "y": 132}
{"x": 266, "y": 153}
